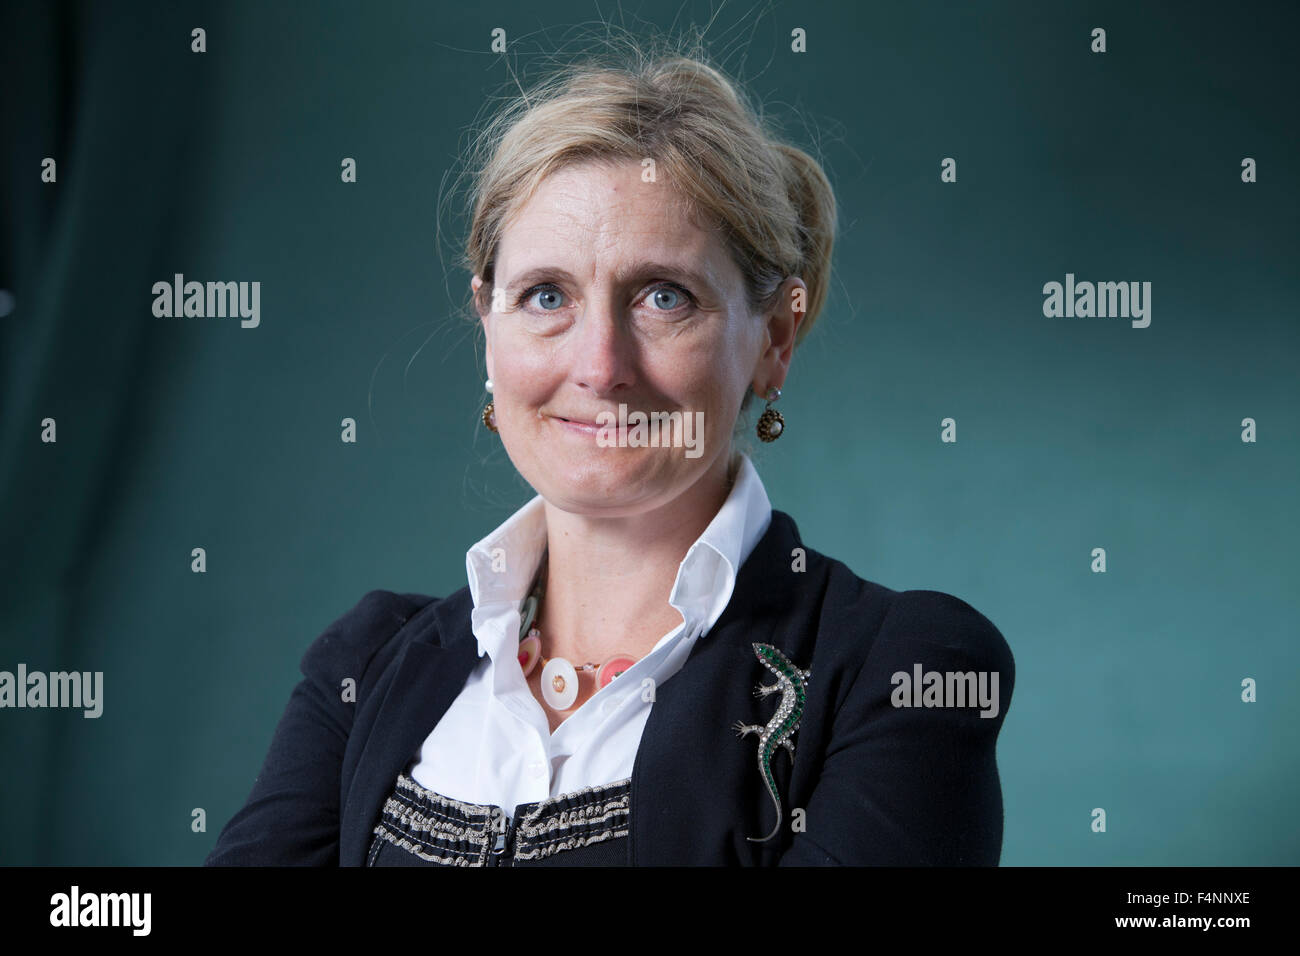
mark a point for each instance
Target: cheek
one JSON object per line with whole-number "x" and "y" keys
{"x": 723, "y": 375}
{"x": 523, "y": 369}
{"x": 705, "y": 377}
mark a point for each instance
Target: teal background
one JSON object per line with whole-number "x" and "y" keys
{"x": 1073, "y": 433}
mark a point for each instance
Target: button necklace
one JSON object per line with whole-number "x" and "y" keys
{"x": 559, "y": 676}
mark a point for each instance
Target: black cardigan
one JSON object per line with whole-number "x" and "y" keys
{"x": 876, "y": 783}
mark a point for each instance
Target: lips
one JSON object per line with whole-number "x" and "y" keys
{"x": 579, "y": 421}
{"x": 576, "y": 426}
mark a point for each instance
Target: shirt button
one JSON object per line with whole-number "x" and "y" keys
{"x": 537, "y": 768}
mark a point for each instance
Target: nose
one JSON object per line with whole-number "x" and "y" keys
{"x": 605, "y": 354}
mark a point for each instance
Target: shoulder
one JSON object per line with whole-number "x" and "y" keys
{"x": 915, "y": 686}
{"x": 936, "y": 619}
{"x": 347, "y": 647}
{"x": 868, "y": 632}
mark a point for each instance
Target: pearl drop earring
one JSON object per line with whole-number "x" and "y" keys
{"x": 771, "y": 423}
{"x": 489, "y": 410}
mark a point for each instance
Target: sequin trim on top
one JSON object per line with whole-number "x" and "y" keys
{"x": 572, "y": 820}
{"x": 439, "y": 830}
{"x": 433, "y": 827}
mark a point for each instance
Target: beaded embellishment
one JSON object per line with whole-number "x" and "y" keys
{"x": 437, "y": 829}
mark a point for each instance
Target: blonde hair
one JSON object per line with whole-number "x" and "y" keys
{"x": 771, "y": 201}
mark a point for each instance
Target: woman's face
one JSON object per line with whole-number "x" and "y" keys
{"x": 606, "y": 294}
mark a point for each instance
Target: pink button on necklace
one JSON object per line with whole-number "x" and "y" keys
{"x": 559, "y": 676}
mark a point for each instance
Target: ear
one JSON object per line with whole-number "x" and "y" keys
{"x": 475, "y": 284}
{"x": 783, "y": 323}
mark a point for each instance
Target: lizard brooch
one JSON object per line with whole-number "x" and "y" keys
{"x": 791, "y": 684}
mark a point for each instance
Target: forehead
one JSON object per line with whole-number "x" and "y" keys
{"x": 584, "y": 214}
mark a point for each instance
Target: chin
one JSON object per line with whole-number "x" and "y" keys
{"x": 612, "y": 481}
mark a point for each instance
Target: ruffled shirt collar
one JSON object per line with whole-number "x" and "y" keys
{"x": 501, "y": 566}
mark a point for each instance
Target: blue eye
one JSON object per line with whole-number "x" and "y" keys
{"x": 668, "y": 290}
{"x": 544, "y": 290}
{"x": 677, "y": 297}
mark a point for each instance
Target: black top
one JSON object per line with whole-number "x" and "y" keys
{"x": 871, "y": 781}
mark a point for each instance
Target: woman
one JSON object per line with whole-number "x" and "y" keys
{"x": 648, "y": 666}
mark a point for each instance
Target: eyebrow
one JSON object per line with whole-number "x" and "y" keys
{"x": 635, "y": 274}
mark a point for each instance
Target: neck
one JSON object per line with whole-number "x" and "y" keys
{"x": 608, "y": 579}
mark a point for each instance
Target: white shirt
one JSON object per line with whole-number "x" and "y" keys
{"x": 494, "y": 746}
